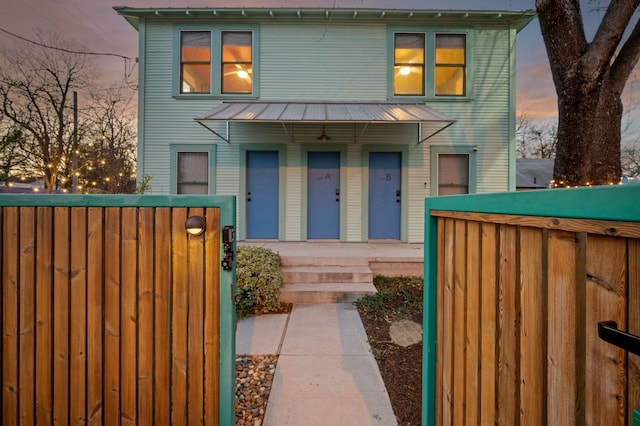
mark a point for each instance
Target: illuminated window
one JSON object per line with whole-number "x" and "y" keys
{"x": 237, "y": 66}
{"x": 195, "y": 62}
{"x": 450, "y": 65}
{"x": 408, "y": 64}
{"x": 193, "y": 173}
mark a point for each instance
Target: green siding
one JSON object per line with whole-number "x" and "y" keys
{"x": 330, "y": 61}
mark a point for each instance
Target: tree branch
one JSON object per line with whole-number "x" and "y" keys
{"x": 626, "y": 60}
{"x": 563, "y": 34}
{"x": 601, "y": 50}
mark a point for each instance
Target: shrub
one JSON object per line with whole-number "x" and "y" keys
{"x": 258, "y": 281}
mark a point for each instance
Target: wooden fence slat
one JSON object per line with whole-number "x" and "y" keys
{"x": 196, "y": 325}
{"x": 533, "y": 335}
{"x": 633, "y": 368}
{"x": 162, "y": 326}
{"x": 472, "y": 322}
{"x": 606, "y": 300}
{"x": 440, "y": 290}
{"x": 44, "y": 318}
{"x": 211, "y": 317}
{"x": 561, "y": 314}
{"x": 78, "y": 322}
{"x": 111, "y": 371}
{"x": 447, "y": 288}
{"x": 27, "y": 315}
{"x": 488, "y": 323}
{"x": 508, "y": 351}
{"x": 459, "y": 324}
{"x": 10, "y": 321}
{"x": 145, "y": 314}
{"x": 128, "y": 316}
{"x": 179, "y": 321}
{"x": 61, "y": 293}
{"x": 95, "y": 329}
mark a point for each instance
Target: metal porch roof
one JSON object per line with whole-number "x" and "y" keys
{"x": 325, "y": 112}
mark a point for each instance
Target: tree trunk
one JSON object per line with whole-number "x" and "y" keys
{"x": 588, "y": 149}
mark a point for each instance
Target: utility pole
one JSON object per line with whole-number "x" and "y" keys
{"x": 75, "y": 143}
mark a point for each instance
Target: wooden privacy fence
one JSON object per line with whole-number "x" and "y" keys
{"x": 111, "y": 314}
{"x": 518, "y": 285}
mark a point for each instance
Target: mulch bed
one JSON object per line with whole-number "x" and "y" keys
{"x": 400, "y": 367}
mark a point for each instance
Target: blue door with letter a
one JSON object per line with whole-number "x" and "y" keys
{"x": 323, "y": 209}
{"x": 385, "y": 195}
{"x": 262, "y": 194}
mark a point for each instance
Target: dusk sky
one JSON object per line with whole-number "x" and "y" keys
{"x": 99, "y": 28}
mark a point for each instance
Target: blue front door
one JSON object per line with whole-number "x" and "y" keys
{"x": 385, "y": 195}
{"x": 323, "y": 210}
{"x": 262, "y": 194}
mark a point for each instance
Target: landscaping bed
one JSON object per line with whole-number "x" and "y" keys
{"x": 398, "y": 298}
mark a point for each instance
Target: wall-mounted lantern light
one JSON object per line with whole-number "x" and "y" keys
{"x": 195, "y": 225}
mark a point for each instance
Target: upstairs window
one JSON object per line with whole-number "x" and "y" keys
{"x": 450, "y": 65}
{"x": 408, "y": 64}
{"x": 195, "y": 62}
{"x": 237, "y": 65}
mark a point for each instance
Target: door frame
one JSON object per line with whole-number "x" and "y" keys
{"x": 304, "y": 160}
{"x": 242, "y": 199}
{"x": 404, "y": 187}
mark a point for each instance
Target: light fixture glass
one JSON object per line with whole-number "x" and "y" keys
{"x": 195, "y": 225}
{"x": 323, "y": 136}
{"x": 405, "y": 70}
{"x": 243, "y": 74}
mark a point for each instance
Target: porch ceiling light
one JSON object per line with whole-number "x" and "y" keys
{"x": 195, "y": 225}
{"x": 323, "y": 136}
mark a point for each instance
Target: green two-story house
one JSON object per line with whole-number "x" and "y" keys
{"x": 328, "y": 124}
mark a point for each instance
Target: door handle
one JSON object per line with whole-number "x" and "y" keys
{"x": 608, "y": 331}
{"x": 249, "y": 196}
{"x": 397, "y": 192}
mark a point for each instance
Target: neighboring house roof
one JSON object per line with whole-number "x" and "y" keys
{"x": 534, "y": 172}
{"x": 517, "y": 19}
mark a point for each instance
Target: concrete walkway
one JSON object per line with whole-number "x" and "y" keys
{"x": 326, "y": 374}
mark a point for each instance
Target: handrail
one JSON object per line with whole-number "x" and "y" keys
{"x": 608, "y": 331}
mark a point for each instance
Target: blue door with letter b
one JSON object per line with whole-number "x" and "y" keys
{"x": 385, "y": 195}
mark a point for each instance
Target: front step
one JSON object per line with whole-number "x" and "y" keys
{"x": 325, "y": 292}
{"x": 325, "y": 279}
{"x": 327, "y": 274}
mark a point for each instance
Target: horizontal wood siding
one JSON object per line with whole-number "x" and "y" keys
{"x": 518, "y": 306}
{"x": 330, "y": 60}
{"x": 109, "y": 316}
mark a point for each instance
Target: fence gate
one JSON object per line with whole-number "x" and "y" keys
{"x": 519, "y": 285}
{"x": 114, "y": 314}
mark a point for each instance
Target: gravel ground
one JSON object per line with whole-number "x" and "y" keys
{"x": 254, "y": 377}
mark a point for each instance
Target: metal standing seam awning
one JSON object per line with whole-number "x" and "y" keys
{"x": 325, "y": 112}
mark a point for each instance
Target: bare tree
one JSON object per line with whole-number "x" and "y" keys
{"x": 36, "y": 90}
{"x": 12, "y": 157}
{"x": 106, "y": 158}
{"x": 589, "y": 78}
{"x": 535, "y": 139}
{"x": 631, "y": 159}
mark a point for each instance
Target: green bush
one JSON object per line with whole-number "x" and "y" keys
{"x": 258, "y": 281}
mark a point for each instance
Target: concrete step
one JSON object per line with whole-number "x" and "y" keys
{"x": 324, "y": 261}
{"x": 326, "y": 274}
{"x": 325, "y": 292}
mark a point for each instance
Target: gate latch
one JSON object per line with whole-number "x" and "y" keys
{"x": 227, "y": 247}
{"x": 608, "y": 331}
